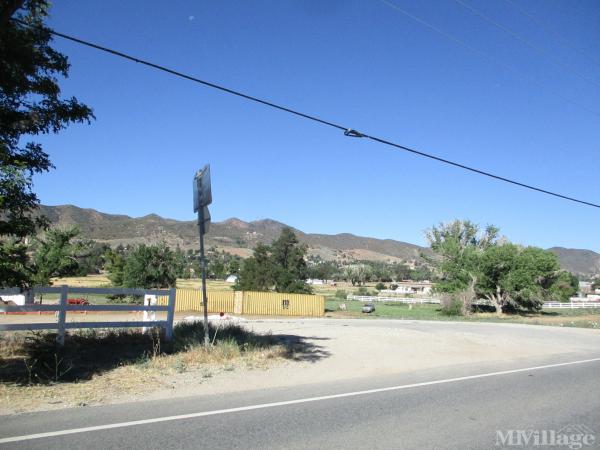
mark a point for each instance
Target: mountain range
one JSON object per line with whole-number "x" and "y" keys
{"x": 238, "y": 237}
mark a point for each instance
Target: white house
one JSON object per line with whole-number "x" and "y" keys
{"x": 423, "y": 288}
{"x": 231, "y": 279}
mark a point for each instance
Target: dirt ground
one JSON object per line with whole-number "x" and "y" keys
{"x": 325, "y": 350}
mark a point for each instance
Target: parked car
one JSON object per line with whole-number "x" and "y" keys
{"x": 368, "y": 308}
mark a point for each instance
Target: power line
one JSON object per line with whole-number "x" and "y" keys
{"x": 495, "y": 60}
{"x": 347, "y": 131}
{"x": 566, "y": 42}
{"x": 528, "y": 43}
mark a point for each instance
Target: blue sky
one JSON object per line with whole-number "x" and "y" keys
{"x": 495, "y": 103}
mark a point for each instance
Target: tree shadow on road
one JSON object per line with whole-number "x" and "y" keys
{"x": 302, "y": 348}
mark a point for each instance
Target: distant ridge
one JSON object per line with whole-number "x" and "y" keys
{"x": 239, "y": 237}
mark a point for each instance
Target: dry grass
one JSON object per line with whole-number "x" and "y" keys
{"x": 96, "y": 367}
{"x": 92, "y": 281}
{"x": 103, "y": 281}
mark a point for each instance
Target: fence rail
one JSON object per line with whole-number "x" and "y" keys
{"x": 370, "y": 298}
{"x": 62, "y": 308}
{"x": 571, "y": 305}
{"x": 547, "y": 305}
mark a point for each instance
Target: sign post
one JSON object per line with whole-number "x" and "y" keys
{"x": 203, "y": 198}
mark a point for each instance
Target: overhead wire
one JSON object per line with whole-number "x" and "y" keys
{"x": 528, "y": 43}
{"x": 495, "y": 60}
{"x": 565, "y": 41}
{"x": 347, "y": 130}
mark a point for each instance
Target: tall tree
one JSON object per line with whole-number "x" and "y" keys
{"x": 456, "y": 247}
{"x": 256, "y": 273}
{"x": 57, "y": 254}
{"x": 289, "y": 265}
{"x": 357, "y": 273}
{"x": 280, "y": 266}
{"x": 115, "y": 264}
{"x": 151, "y": 266}
{"x": 519, "y": 278}
{"x": 30, "y": 104}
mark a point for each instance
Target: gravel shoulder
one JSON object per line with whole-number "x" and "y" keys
{"x": 332, "y": 350}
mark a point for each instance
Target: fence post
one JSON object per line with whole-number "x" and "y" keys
{"x": 170, "y": 315}
{"x": 62, "y": 314}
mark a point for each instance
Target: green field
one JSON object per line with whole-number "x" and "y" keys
{"x": 581, "y": 318}
{"x": 584, "y": 318}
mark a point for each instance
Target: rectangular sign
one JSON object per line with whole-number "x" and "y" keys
{"x": 202, "y": 188}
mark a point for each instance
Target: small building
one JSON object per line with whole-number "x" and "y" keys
{"x": 414, "y": 287}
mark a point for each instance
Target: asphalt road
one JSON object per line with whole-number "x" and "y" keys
{"x": 458, "y": 414}
{"x": 455, "y": 407}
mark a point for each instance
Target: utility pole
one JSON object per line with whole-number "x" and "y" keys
{"x": 203, "y": 198}
{"x": 203, "y": 267}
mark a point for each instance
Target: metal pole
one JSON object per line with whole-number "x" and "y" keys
{"x": 203, "y": 266}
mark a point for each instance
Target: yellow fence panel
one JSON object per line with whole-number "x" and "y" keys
{"x": 277, "y": 304}
{"x": 252, "y": 303}
{"x": 191, "y": 300}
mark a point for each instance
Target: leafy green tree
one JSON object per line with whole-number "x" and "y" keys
{"x": 357, "y": 273}
{"x": 280, "y": 266}
{"x": 183, "y": 263}
{"x": 401, "y": 272}
{"x": 30, "y": 104}
{"x": 93, "y": 259}
{"x": 115, "y": 264}
{"x": 456, "y": 247}
{"x": 564, "y": 287}
{"x": 421, "y": 273}
{"x": 151, "y": 266}
{"x": 233, "y": 265}
{"x": 288, "y": 263}
{"x": 15, "y": 270}
{"x": 380, "y": 271}
{"x": 519, "y": 279}
{"x": 256, "y": 273}
{"x": 323, "y": 270}
{"x": 57, "y": 254}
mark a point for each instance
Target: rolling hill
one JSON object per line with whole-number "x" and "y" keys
{"x": 233, "y": 235}
{"x": 239, "y": 237}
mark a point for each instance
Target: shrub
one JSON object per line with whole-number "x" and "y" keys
{"x": 341, "y": 294}
{"x": 380, "y": 286}
{"x": 125, "y": 299}
{"x": 363, "y": 291}
{"x": 451, "y": 305}
{"x": 393, "y": 287}
{"x": 458, "y": 303}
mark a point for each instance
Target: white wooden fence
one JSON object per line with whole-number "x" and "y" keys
{"x": 370, "y": 298}
{"x": 571, "y": 305}
{"x": 63, "y": 307}
{"x": 547, "y": 305}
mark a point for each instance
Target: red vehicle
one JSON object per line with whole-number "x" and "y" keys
{"x": 77, "y": 301}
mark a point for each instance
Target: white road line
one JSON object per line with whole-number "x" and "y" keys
{"x": 284, "y": 403}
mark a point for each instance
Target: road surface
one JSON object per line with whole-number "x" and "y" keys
{"x": 457, "y": 406}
